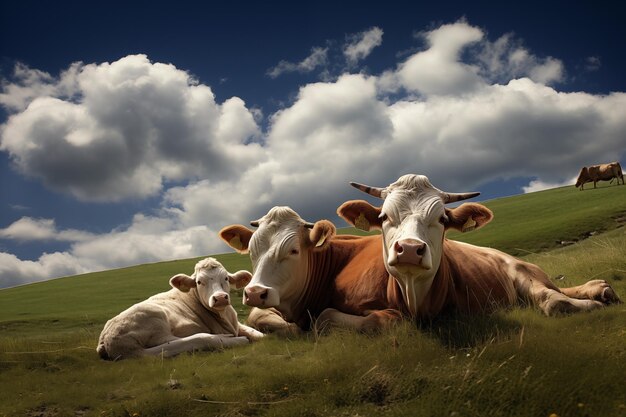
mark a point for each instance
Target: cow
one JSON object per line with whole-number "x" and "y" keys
{"x": 436, "y": 274}
{"x": 300, "y": 269}
{"x": 602, "y": 172}
{"x": 195, "y": 314}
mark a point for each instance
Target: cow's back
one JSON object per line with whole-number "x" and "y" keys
{"x": 481, "y": 279}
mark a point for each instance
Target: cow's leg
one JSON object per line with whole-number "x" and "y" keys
{"x": 533, "y": 284}
{"x": 252, "y": 334}
{"x": 374, "y": 320}
{"x": 269, "y": 320}
{"x": 596, "y": 289}
{"x": 198, "y": 341}
{"x": 553, "y": 302}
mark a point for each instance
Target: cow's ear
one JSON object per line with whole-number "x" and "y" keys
{"x": 240, "y": 278}
{"x": 468, "y": 217}
{"x": 320, "y": 234}
{"x": 237, "y": 237}
{"x": 182, "y": 282}
{"x": 361, "y": 214}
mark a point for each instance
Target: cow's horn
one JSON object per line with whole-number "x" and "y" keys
{"x": 254, "y": 223}
{"x": 375, "y": 191}
{"x": 454, "y": 197}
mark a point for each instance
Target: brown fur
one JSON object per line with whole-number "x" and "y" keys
{"x": 602, "y": 172}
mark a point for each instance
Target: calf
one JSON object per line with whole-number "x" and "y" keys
{"x": 195, "y": 314}
{"x": 602, "y": 172}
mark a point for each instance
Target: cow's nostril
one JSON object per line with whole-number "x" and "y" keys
{"x": 226, "y": 296}
{"x": 421, "y": 249}
{"x": 398, "y": 247}
{"x": 264, "y": 295}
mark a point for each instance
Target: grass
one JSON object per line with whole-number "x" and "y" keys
{"x": 512, "y": 363}
{"x": 539, "y": 221}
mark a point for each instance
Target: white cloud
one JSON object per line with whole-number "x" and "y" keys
{"x": 538, "y": 185}
{"x": 467, "y": 117}
{"x": 28, "y": 229}
{"x": 362, "y": 44}
{"x": 147, "y": 239}
{"x": 506, "y": 59}
{"x": 14, "y": 271}
{"x": 129, "y": 126}
{"x": 317, "y": 58}
{"x": 439, "y": 69}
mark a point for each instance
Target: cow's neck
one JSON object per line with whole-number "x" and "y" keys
{"x": 427, "y": 297}
{"x": 316, "y": 292}
{"x": 414, "y": 293}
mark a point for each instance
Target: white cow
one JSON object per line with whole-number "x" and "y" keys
{"x": 195, "y": 314}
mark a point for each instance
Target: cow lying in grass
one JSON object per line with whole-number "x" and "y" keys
{"x": 302, "y": 268}
{"x": 195, "y": 314}
{"x": 437, "y": 274}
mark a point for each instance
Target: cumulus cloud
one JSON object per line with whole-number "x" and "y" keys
{"x": 14, "y": 271}
{"x": 317, "y": 58}
{"x": 460, "y": 59}
{"x": 506, "y": 58}
{"x": 112, "y": 131}
{"x": 147, "y": 239}
{"x": 538, "y": 185}
{"x": 466, "y": 115}
{"x": 439, "y": 69}
{"x": 28, "y": 229}
{"x": 361, "y": 45}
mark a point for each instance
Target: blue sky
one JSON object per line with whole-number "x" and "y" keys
{"x": 132, "y": 132}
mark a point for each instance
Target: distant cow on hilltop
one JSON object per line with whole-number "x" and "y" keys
{"x": 602, "y": 172}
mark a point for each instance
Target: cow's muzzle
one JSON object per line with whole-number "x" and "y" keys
{"x": 408, "y": 252}
{"x": 219, "y": 300}
{"x": 255, "y": 296}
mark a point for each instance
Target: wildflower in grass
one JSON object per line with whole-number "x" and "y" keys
{"x": 554, "y": 415}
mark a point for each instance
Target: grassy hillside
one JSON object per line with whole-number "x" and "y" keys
{"x": 513, "y": 363}
{"x": 538, "y": 221}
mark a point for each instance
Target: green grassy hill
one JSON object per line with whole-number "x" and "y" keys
{"x": 514, "y": 362}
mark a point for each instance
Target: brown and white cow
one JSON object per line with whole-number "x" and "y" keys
{"x": 300, "y": 269}
{"x": 195, "y": 314}
{"x": 602, "y": 172}
{"x": 437, "y": 274}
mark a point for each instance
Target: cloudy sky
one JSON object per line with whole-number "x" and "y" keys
{"x": 132, "y": 132}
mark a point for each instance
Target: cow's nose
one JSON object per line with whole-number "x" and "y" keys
{"x": 410, "y": 251}
{"x": 220, "y": 300}
{"x": 255, "y": 296}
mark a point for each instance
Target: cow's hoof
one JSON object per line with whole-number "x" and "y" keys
{"x": 608, "y": 296}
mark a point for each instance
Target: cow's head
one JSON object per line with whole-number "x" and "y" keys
{"x": 212, "y": 283}
{"x": 413, "y": 219}
{"x": 279, "y": 250}
{"x": 583, "y": 177}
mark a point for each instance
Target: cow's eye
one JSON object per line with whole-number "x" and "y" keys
{"x": 226, "y": 279}
{"x": 383, "y": 217}
{"x": 443, "y": 219}
{"x": 294, "y": 252}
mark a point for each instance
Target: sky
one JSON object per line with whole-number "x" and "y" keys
{"x": 132, "y": 132}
